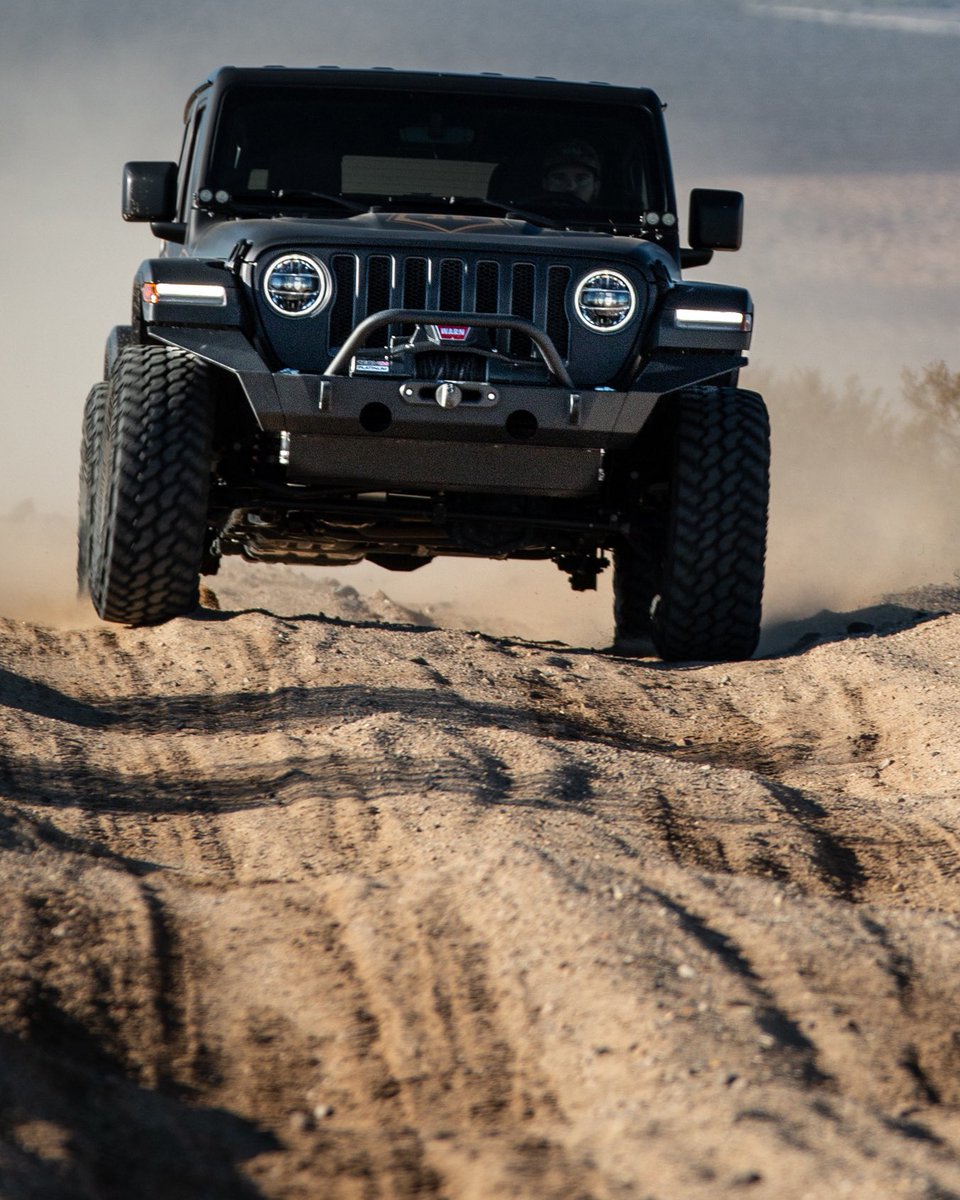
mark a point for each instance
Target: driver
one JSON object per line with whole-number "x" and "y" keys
{"x": 572, "y": 169}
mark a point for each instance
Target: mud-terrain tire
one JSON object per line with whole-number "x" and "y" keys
{"x": 696, "y": 589}
{"x": 150, "y": 516}
{"x": 91, "y": 448}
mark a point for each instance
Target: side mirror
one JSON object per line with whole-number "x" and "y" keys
{"x": 716, "y": 219}
{"x": 149, "y": 191}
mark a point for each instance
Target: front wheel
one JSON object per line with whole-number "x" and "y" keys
{"x": 150, "y": 510}
{"x": 694, "y": 584}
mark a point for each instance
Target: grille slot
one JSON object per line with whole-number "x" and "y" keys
{"x": 521, "y": 305}
{"x": 379, "y": 272}
{"x": 488, "y": 287}
{"x": 534, "y": 291}
{"x": 558, "y": 328}
{"x": 451, "y": 284}
{"x": 415, "y": 283}
{"x": 344, "y": 270}
{"x": 378, "y": 283}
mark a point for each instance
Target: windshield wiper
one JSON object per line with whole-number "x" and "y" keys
{"x": 577, "y": 219}
{"x": 511, "y": 210}
{"x": 295, "y": 196}
{"x": 426, "y": 201}
{"x": 305, "y": 194}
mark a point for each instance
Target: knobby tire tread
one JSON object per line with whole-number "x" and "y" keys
{"x": 152, "y": 499}
{"x": 91, "y": 448}
{"x": 702, "y": 600}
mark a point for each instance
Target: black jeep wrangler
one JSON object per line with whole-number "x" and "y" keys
{"x": 399, "y": 315}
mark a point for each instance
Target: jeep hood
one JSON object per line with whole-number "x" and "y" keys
{"x": 405, "y": 231}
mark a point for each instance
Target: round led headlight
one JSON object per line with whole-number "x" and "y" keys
{"x": 296, "y": 285}
{"x": 605, "y": 301}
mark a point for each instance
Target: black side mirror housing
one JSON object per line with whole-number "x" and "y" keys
{"x": 716, "y": 219}
{"x": 149, "y": 191}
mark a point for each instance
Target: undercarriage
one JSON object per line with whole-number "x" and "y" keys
{"x": 402, "y": 531}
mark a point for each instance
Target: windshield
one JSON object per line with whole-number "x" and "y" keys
{"x": 587, "y": 162}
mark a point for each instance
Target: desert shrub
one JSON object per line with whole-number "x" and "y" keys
{"x": 932, "y": 401}
{"x": 863, "y": 488}
{"x": 850, "y": 420}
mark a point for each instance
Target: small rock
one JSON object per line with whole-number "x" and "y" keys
{"x": 747, "y": 1179}
{"x": 685, "y": 971}
{"x": 301, "y": 1122}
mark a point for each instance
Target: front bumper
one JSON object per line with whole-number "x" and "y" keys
{"x": 376, "y": 433}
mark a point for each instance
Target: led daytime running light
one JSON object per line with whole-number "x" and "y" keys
{"x": 185, "y": 293}
{"x": 715, "y": 318}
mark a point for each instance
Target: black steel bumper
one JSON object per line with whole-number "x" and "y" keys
{"x": 381, "y": 432}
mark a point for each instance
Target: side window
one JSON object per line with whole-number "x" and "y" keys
{"x": 189, "y": 164}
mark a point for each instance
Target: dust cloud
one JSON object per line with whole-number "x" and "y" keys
{"x": 861, "y": 507}
{"x": 843, "y": 139}
{"x": 38, "y": 552}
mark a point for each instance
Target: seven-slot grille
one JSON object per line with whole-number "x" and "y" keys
{"x": 534, "y": 290}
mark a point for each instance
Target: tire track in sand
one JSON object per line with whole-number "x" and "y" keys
{"x": 443, "y": 915}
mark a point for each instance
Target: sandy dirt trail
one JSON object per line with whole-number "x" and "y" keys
{"x": 307, "y": 906}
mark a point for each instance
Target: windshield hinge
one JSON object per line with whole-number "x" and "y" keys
{"x": 237, "y": 255}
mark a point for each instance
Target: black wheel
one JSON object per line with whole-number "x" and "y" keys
{"x": 150, "y": 512}
{"x": 693, "y": 585}
{"x": 91, "y": 448}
